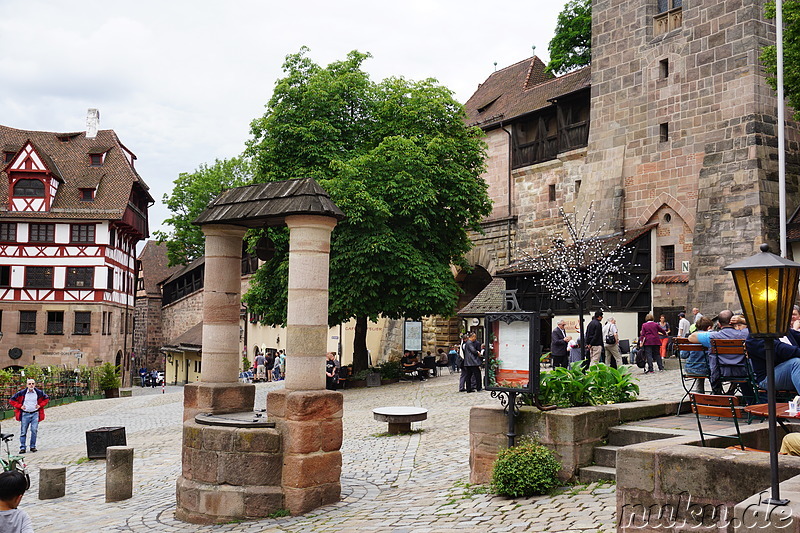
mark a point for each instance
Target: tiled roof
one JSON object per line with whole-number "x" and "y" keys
{"x": 67, "y": 157}
{"x": 154, "y": 266}
{"x": 674, "y": 278}
{"x": 490, "y": 300}
{"x": 793, "y": 227}
{"x": 191, "y": 340}
{"x": 520, "y": 89}
{"x": 181, "y": 270}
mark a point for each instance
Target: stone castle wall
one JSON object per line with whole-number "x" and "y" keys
{"x": 148, "y": 336}
{"x": 179, "y": 316}
{"x": 689, "y": 115}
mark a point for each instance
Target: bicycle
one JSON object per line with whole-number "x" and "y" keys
{"x": 11, "y": 462}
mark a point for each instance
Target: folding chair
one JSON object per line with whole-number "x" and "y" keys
{"x": 728, "y": 363}
{"x": 721, "y": 406}
{"x": 694, "y": 368}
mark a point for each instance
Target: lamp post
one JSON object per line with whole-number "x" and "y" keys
{"x": 767, "y": 288}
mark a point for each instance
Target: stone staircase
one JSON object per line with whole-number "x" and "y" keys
{"x": 605, "y": 457}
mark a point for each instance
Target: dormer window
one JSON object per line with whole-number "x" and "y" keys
{"x": 29, "y": 188}
{"x": 87, "y": 195}
{"x": 8, "y": 156}
{"x": 96, "y": 160}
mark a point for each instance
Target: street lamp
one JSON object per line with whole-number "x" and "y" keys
{"x": 767, "y": 288}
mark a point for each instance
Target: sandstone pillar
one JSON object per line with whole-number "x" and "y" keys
{"x": 307, "y": 308}
{"x": 219, "y": 390}
{"x": 308, "y": 416}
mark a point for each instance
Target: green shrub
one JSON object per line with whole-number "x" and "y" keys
{"x": 388, "y": 369}
{"x": 525, "y": 470}
{"x": 599, "y": 385}
{"x": 108, "y": 377}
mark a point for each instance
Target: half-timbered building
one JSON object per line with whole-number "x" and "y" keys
{"x": 72, "y": 208}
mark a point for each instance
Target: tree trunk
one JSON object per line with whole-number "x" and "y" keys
{"x": 360, "y": 355}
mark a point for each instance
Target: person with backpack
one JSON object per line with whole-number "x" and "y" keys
{"x": 611, "y": 342}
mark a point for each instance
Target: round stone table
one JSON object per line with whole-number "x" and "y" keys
{"x": 400, "y": 418}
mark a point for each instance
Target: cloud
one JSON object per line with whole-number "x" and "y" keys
{"x": 180, "y": 80}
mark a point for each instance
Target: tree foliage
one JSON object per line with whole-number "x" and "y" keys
{"x": 397, "y": 158}
{"x": 791, "y": 53}
{"x": 190, "y": 196}
{"x": 571, "y": 46}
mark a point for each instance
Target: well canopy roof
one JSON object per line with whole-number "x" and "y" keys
{"x": 268, "y": 204}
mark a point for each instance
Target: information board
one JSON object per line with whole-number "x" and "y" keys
{"x": 412, "y": 336}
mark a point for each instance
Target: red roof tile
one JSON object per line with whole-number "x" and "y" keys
{"x": 520, "y": 89}
{"x": 67, "y": 157}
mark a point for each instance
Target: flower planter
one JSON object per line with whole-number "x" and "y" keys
{"x": 112, "y": 393}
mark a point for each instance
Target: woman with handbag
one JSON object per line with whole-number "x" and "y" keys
{"x": 650, "y": 340}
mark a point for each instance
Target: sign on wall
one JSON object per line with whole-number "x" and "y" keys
{"x": 412, "y": 336}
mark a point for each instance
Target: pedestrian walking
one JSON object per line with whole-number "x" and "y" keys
{"x": 28, "y": 407}
{"x": 261, "y": 367}
{"x": 143, "y": 375}
{"x": 331, "y": 371}
{"x": 472, "y": 363}
{"x": 650, "y": 341}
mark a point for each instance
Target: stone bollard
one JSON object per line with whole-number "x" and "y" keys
{"x": 119, "y": 473}
{"x": 52, "y": 481}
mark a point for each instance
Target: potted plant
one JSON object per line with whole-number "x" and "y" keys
{"x": 109, "y": 381}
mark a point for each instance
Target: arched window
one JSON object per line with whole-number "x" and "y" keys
{"x": 30, "y": 188}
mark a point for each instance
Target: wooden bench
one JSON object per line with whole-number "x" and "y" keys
{"x": 400, "y": 418}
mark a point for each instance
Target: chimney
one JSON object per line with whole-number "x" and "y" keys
{"x": 92, "y": 123}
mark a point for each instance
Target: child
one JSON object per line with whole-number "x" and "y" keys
{"x": 12, "y": 520}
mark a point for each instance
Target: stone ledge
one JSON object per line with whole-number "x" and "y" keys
{"x": 571, "y": 432}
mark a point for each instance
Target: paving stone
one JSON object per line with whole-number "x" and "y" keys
{"x": 404, "y": 483}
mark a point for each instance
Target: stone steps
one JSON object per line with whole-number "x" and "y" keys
{"x": 605, "y": 457}
{"x": 590, "y": 474}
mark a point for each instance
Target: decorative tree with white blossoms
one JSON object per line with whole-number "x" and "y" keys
{"x": 580, "y": 268}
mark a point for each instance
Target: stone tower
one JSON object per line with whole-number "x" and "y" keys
{"x": 684, "y": 135}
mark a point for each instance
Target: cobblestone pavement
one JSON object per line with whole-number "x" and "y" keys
{"x": 399, "y": 484}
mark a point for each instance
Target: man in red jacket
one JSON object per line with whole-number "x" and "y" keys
{"x": 29, "y": 405}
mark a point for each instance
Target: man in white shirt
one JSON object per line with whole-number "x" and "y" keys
{"x": 683, "y": 325}
{"x": 697, "y": 314}
{"x": 28, "y": 407}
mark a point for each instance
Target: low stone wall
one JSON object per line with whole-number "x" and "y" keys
{"x": 572, "y": 433}
{"x": 229, "y": 473}
{"x": 676, "y": 485}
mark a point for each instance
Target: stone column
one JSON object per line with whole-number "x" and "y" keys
{"x": 307, "y": 311}
{"x": 219, "y": 390}
{"x": 308, "y": 416}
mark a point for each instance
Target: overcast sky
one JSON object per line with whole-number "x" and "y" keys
{"x": 180, "y": 80}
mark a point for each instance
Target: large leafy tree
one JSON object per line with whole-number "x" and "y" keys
{"x": 398, "y": 159}
{"x": 190, "y": 195}
{"x": 791, "y": 53}
{"x": 571, "y": 46}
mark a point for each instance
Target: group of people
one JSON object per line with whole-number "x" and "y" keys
{"x": 269, "y": 366}
{"x": 149, "y": 377}
{"x": 468, "y": 357}
{"x": 600, "y": 338}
